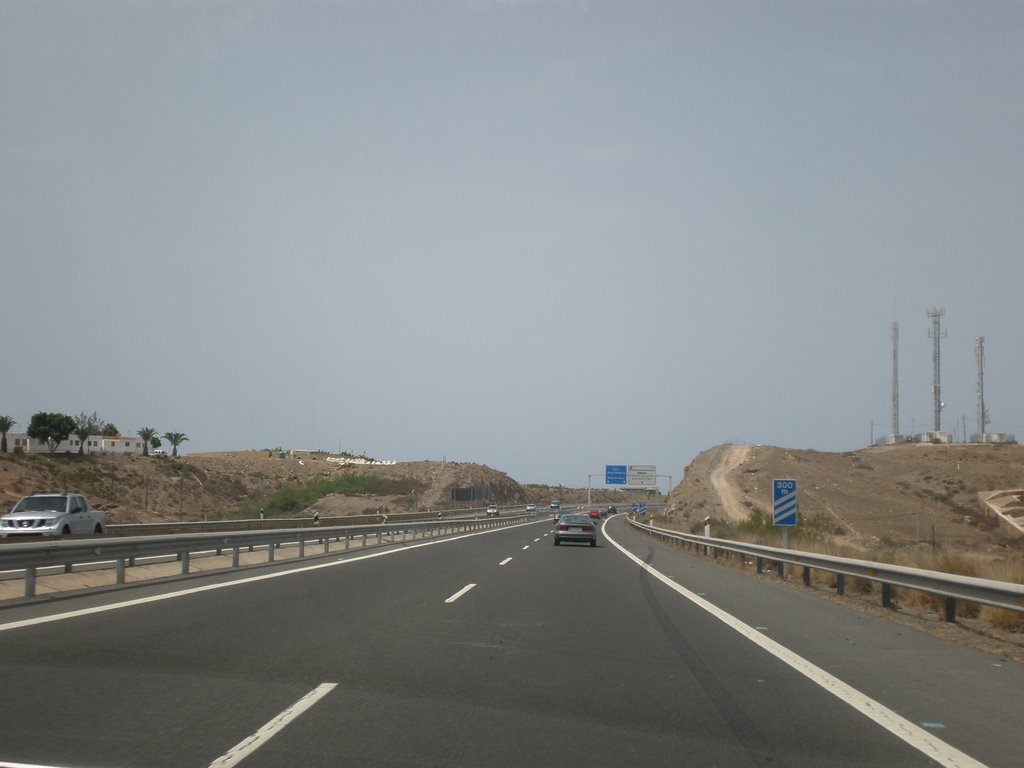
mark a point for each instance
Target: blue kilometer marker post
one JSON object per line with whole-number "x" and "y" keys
{"x": 784, "y": 507}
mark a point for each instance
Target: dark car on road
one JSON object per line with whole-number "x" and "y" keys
{"x": 578, "y": 528}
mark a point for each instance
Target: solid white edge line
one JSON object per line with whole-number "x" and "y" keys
{"x": 248, "y": 580}
{"x": 247, "y": 746}
{"x": 460, "y": 593}
{"x": 899, "y": 726}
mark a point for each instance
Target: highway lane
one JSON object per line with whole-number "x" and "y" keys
{"x": 966, "y": 697}
{"x": 570, "y": 654}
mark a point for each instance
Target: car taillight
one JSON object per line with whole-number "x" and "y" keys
{"x": 561, "y": 527}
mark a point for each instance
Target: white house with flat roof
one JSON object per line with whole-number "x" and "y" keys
{"x": 122, "y": 444}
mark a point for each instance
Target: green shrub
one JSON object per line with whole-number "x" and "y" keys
{"x": 290, "y": 500}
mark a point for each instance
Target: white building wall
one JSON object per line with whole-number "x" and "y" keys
{"x": 122, "y": 444}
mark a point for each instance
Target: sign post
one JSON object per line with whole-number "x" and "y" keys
{"x": 784, "y": 507}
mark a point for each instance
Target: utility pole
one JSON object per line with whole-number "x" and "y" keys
{"x": 895, "y": 387}
{"x": 979, "y": 354}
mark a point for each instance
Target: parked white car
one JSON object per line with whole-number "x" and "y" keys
{"x": 52, "y": 514}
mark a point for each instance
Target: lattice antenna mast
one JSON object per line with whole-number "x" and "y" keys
{"x": 936, "y": 334}
{"x": 895, "y": 381}
{"x": 979, "y": 354}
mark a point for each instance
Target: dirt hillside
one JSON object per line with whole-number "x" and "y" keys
{"x": 875, "y": 497}
{"x": 201, "y": 486}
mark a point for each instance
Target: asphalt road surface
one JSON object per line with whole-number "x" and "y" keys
{"x": 494, "y": 649}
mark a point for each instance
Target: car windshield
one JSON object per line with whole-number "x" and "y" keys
{"x": 40, "y": 504}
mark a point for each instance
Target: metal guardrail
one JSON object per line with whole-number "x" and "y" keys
{"x": 168, "y": 526}
{"x": 123, "y": 551}
{"x": 952, "y": 588}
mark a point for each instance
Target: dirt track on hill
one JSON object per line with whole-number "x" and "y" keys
{"x": 728, "y": 493}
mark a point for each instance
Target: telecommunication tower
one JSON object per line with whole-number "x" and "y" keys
{"x": 895, "y": 383}
{"x": 936, "y": 334}
{"x": 979, "y": 355}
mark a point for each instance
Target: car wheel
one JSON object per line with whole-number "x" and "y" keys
{"x": 97, "y": 531}
{"x": 66, "y": 531}
{"x": 593, "y": 542}
{"x": 557, "y": 542}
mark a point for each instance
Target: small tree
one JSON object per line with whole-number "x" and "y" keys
{"x": 6, "y": 425}
{"x": 85, "y": 425}
{"x": 52, "y": 428}
{"x": 148, "y": 435}
{"x": 175, "y": 439}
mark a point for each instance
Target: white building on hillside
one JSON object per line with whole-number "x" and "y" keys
{"x": 121, "y": 444}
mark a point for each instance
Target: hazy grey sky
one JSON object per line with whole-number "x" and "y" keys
{"x": 545, "y": 236}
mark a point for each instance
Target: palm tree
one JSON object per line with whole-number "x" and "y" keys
{"x": 175, "y": 439}
{"x": 147, "y": 434}
{"x": 85, "y": 425}
{"x": 6, "y": 425}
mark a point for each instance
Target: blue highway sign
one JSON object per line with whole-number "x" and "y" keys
{"x": 784, "y": 502}
{"x": 615, "y": 474}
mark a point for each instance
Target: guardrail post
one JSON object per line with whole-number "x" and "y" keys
{"x": 886, "y": 595}
{"x": 781, "y": 564}
{"x": 119, "y": 578}
{"x": 67, "y": 567}
{"x": 184, "y": 563}
{"x": 347, "y": 540}
{"x": 951, "y": 610}
{"x": 30, "y": 581}
{"x": 380, "y": 536}
{"x": 327, "y": 544}
{"x": 760, "y": 565}
{"x": 302, "y": 547}
{"x": 840, "y": 584}
{"x": 807, "y": 576}
{"x": 270, "y": 553}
